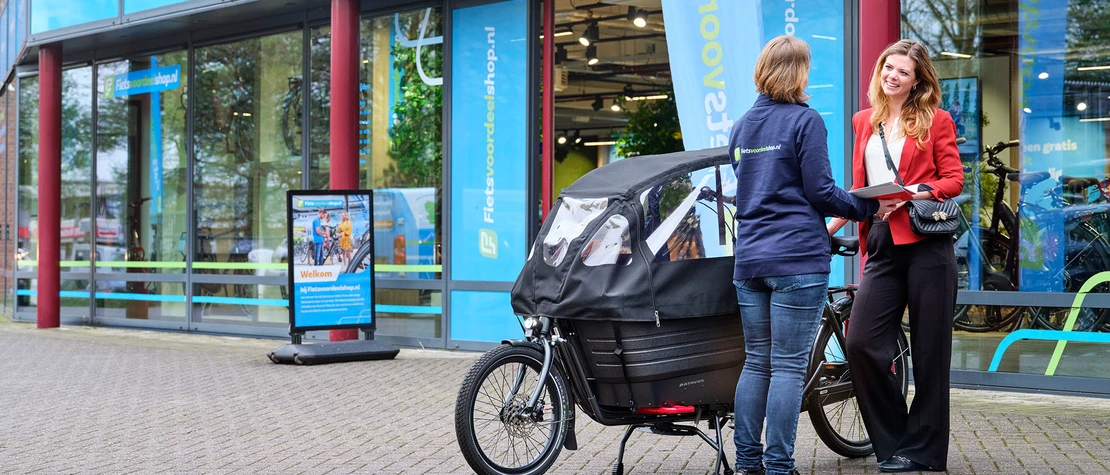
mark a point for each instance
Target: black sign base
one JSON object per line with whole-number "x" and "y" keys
{"x": 333, "y": 352}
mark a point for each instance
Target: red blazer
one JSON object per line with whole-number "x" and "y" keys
{"x": 937, "y": 165}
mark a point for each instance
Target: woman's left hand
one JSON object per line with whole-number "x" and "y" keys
{"x": 921, "y": 195}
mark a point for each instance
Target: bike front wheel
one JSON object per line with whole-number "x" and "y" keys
{"x": 833, "y": 407}
{"x": 497, "y": 432}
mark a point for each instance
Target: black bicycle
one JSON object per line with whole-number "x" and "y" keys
{"x": 633, "y": 340}
{"x": 1058, "y": 233}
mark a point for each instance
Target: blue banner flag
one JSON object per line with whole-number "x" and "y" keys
{"x": 713, "y": 46}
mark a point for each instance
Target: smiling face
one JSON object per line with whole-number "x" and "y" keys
{"x": 898, "y": 77}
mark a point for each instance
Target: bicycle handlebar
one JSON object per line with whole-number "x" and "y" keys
{"x": 1000, "y": 146}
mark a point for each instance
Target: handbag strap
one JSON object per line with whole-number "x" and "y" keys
{"x": 889, "y": 162}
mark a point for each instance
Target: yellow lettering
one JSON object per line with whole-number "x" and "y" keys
{"x": 710, "y": 34}
{"x": 711, "y": 46}
{"x": 709, "y": 80}
{"x": 708, "y": 7}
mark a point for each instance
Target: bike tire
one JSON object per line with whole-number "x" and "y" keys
{"x": 828, "y": 406}
{"x": 357, "y": 259}
{"x": 987, "y": 318}
{"x": 480, "y": 410}
{"x": 1082, "y": 263}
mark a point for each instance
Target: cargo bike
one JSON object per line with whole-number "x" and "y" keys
{"x": 630, "y": 316}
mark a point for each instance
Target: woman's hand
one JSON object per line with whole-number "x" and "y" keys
{"x": 888, "y": 206}
{"x": 921, "y": 195}
{"x": 835, "y": 224}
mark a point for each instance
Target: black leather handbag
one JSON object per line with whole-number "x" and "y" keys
{"x": 927, "y": 217}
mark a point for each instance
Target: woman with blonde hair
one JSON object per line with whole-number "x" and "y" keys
{"x": 784, "y": 192}
{"x": 344, "y": 231}
{"x": 904, "y": 137}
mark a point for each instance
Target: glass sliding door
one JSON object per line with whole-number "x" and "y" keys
{"x": 141, "y": 183}
{"x": 247, "y": 153}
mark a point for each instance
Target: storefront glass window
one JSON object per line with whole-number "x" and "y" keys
{"x": 132, "y": 6}
{"x": 54, "y": 14}
{"x": 247, "y": 154}
{"x": 401, "y": 141}
{"x": 26, "y": 251}
{"x": 76, "y": 223}
{"x": 141, "y": 185}
{"x": 7, "y": 224}
{"x": 1036, "y": 214}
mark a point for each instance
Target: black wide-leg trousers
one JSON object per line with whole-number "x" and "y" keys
{"x": 921, "y": 276}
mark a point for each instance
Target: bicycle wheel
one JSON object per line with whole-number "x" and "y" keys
{"x": 494, "y": 429}
{"x": 360, "y": 260}
{"x": 994, "y": 252}
{"x": 833, "y": 408}
{"x": 1087, "y": 254}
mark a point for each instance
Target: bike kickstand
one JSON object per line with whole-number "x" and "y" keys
{"x": 618, "y": 468}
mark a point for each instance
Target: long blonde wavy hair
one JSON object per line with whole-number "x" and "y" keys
{"x": 917, "y": 112}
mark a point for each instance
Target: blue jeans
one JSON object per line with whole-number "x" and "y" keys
{"x": 318, "y": 254}
{"x": 781, "y": 316}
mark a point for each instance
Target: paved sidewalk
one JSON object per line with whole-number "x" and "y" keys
{"x": 95, "y": 400}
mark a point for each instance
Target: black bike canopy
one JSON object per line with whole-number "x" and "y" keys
{"x": 607, "y": 252}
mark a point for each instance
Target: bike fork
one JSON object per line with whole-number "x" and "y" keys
{"x": 540, "y": 378}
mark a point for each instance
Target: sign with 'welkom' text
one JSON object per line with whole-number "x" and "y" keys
{"x": 142, "y": 82}
{"x": 330, "y": 252}
{"x": 489, "y": 118}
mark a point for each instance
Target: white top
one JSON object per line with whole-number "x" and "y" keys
{"x": 875, "y": 162}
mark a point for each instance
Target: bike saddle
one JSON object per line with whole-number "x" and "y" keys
{"x": 845, "y": 245}
{"x": 1076, "y": 184}
{"x": 1028, "y": 179}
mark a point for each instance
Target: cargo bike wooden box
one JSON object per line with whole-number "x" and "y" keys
{"x": 630, "y": 316}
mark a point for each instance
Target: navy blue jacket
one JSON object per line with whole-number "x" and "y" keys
{"x": 784, "y": 191}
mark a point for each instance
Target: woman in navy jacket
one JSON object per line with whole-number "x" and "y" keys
{"x": 903, "y": 269}
{"x": 784, "y": 192}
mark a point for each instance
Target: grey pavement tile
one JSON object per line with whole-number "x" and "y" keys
{"x": 122, "y": 401}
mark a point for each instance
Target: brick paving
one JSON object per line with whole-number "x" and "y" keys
{"x": 96, "y": 400}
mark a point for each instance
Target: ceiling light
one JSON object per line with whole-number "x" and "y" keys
{"x": 955, "y": 55}
{"x": 653, "y": 97}
{"x": 560, "y": 54}
{"x": 591, "y": 55}
{"x": 602, "y": 142}
{"x": 598, "y": 103}
{"x": 615, "y": 107}
{"x": 246, "y": 114}
{"x": 577, "y": 139}
{"x": 1082, "y": 106}
{"x": 1043, "y": 75}
{"x": 589, "y": 35}
{"x": 637, "y": 16}
{"x": 562, "y": 139}
{"x": 1027, "y": 110}
{"x": 1098, "y": 119}
{"x": 563, "y": 33}
{"x": 1093, "y": 68}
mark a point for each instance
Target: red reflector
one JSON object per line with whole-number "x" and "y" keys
{"x": 665, "y": 410}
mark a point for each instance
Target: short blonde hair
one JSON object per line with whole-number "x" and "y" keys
{"x": 782, "y": 70}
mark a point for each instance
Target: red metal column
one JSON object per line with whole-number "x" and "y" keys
{"x": 344, "y": 108}
{"x": 880, "y": 24}
{"x": 50, "y": 179}
{"x": 548, "y": 134}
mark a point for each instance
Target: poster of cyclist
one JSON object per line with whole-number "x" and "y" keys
{"x": 960, "y": 97}
{"x": 330, "y": 269}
